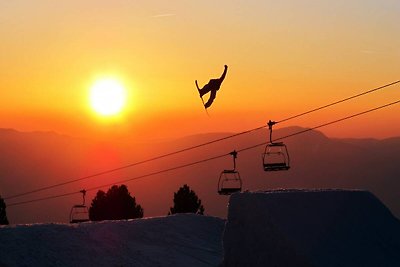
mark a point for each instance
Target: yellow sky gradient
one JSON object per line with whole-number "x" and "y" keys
{"x": 284, "y": 58}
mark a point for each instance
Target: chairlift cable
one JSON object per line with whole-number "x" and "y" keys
{"x": 41, "y": 199}
{"x": 339, "y": 101}
{"x": 321, "y": 125}
{"x": 122, "y": 181}
{"x": 208, "y": 159}
{"x": 195, "y": 146}
{"x": 133, "y": 164}
{"x": 159, "y": 172}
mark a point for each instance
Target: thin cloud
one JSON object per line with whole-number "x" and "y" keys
{"x": 366, "y": 51}
{"x": 163, "y": 15}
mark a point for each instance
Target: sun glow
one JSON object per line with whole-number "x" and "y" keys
{"x": 107, "y": 97}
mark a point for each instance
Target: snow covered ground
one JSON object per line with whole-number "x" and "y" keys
{"x": 326, "y": 228}
{"x": 178, "y": 240}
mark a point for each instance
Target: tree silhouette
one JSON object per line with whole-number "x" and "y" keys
{"x": 116, "y": 204}
{"x": 186, "y": 201}
{"x": 3, "y": 214}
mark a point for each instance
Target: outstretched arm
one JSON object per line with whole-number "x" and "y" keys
{"x": 223, "y": 74}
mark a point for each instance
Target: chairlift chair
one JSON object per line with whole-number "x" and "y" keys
{"x": 79, "y": 213}
{"x": 229, "y": 180}
{"x": 276, "y": 155}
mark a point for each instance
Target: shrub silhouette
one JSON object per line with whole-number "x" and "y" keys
{"x": 116, "y": 204}
{"x": 186, "y": 201}
{"x": 3, "y": 214}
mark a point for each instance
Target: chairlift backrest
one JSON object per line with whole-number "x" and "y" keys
{"x": 229, "y": 180}
{"x": 79, "y": 213}
{"x": 276, "y": 157}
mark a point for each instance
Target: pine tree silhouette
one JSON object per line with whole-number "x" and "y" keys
{"x": 116, "y": 204}
{"x": 186, "y": 201}
{"x": 3, "y": 214}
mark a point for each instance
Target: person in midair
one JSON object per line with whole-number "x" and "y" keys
{"x": 212, "y": 86}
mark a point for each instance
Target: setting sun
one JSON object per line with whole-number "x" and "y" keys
{"x": 107, "y": 97}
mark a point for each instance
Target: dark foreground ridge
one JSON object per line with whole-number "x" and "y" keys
{"x": 310, "y": 228}
{"x": 274, "y": 228}
{"x": 176, "y": 240}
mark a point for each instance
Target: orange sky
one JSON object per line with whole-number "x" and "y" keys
{"x": 284, "y": 58}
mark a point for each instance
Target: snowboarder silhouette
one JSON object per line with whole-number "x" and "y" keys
{"x": 212, "y": 86}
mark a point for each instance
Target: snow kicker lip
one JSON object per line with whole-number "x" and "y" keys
{"x": 318, "y": 227}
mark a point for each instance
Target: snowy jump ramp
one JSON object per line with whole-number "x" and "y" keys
{"x": 310, "y": 228}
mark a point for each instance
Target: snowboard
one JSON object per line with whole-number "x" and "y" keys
{"x": 202, "y": 100}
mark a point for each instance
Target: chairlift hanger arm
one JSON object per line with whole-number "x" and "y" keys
{"x": 270, "y": 124}
{"x": 234, "y": 156}
{"x": 83, "y": 191}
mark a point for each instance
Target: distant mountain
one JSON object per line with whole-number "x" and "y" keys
{"x": 34, "y": 160}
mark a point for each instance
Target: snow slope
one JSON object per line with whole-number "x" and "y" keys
{"x": 178, "y": 240}
{"x": 273, "y": 228}
{"x": 310, "y": 228}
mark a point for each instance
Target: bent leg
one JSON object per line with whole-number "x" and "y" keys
{"x": 213, "y": 95}
{"x": 212, "y": 85}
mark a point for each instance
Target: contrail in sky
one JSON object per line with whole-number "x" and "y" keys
{"x": 163, "y": 15}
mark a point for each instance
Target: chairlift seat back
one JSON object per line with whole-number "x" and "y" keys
{"x": 79, "y": 214}
{"x": 230, "y": 171}
{"x": 229, "y": 182}
{"x": 276, "y": 167}
{"x": 276, "y": 157}
{"x": 229, "y": 191}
